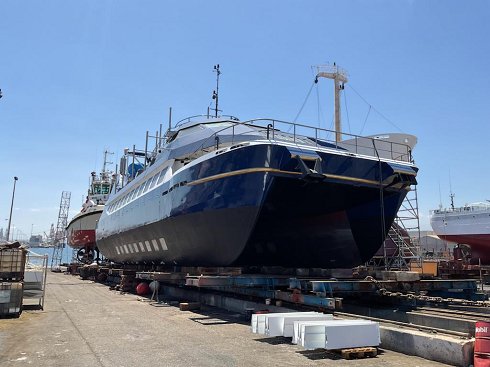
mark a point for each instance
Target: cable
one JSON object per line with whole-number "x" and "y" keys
{"x": 370, "y": 106}
{"x": 304, "y": 103}
{"x": 365, "y": 120}
{"x": 347, "y": 111}
{"x": 318, "y": 112}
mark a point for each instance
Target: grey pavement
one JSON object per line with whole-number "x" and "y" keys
{"x": 86, "y": 324}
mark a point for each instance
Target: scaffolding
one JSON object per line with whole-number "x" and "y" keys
{"x": 401, "y": 246}
{"x": 59, "y": 239}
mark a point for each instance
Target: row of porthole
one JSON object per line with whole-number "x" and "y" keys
{"x": 142, "y": 246}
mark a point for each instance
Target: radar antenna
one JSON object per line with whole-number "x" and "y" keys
{"x": 339, "y": 76}
{"x": 216, "y": 92}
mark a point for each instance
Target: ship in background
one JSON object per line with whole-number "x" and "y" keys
{"x": 467, "y": 225}
{"x": 217, "y": 191}
{"x": 81, "y": 228}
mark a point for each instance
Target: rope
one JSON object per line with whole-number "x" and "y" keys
{"x": 318, "y": 112}
{"x": 378, "y": 112}
{"x": 304, "y": 103}
{"x": 347, "y": 111}
{"x": 365, "y": 120}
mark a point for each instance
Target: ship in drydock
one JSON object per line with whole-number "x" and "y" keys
{"x": 468, "y": 225}
{"x": 81, "y": 228}
{"x": 224, "y": 192}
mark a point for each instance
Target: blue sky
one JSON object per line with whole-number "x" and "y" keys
{"x": 79, "y": 77}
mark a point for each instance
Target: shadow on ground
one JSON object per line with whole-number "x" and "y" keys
{"x": 275, "y": 340}
{"x": 318, "y": 354}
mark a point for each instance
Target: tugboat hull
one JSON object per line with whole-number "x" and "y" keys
{"x": 81, "y": 229}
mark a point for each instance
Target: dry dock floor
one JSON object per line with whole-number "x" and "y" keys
{"x": 86, "y": 324}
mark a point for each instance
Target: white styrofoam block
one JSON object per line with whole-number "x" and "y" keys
{"x": 298, "y": 327}
{"x": 288, "y": 329}
{"x": 258, "y": 320}
{"x": 352, "y": 336}
{"x": 312, "y": 334}
{"x": 274, "y": 325}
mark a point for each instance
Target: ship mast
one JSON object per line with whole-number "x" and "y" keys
{"x": 216, "y": 92}
{"x": 106, "y": 162}
{"x": 339, "y": 76}
{"x": 451, "y": 195}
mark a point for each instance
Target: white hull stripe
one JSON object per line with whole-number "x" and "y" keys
{"x": 163, "y": 243}
{"x": 145, "y": 246}
{"x": 155, "y": 245}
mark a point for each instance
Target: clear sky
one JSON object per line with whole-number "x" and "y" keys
{"x": 79, "y": 77}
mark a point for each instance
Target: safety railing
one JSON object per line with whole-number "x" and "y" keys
{"x": 464, "y": 209}
{"x": 311, "y": 136}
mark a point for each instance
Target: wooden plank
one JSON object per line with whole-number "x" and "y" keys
{"x": 189, "y": 306}
{"x": 358, "y": 352}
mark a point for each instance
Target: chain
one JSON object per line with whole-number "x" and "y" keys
{"x": 382, "y": 291}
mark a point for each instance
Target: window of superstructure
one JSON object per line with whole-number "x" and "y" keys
{"x": 153, "y": 181}
{"x": 145, "y": 186}
{"x": 162, "y": 176}
{"x": 137, "y": 191}
{"x": 97, "y": 189}
{"x": 105, "y": 189}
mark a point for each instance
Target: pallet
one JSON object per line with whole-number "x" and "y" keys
{"x": 358, "y": 352}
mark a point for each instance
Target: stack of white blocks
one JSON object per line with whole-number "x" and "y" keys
{"x": 314, "y": 330}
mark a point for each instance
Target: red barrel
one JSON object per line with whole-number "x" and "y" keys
{"x": 482, "y": 344}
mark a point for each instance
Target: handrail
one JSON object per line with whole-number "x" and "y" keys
{"x": 463, "y": 209}
{"x": 353, "y": 144}
{"x": 190, "y": 118}
{"x": 403, "y": 154}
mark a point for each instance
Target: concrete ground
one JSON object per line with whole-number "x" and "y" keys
{"x": 86, "y": 324}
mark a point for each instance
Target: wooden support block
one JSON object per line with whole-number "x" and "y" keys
{"x": 189, "y": 306}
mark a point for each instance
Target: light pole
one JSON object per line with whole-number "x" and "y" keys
{"x": 11, "y": 208}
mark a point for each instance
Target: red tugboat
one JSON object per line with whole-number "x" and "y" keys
{"x": 81, "y": 229}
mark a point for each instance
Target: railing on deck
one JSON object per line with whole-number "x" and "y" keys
{"x": 318, "y": 137}
{"x": 469, "y": 208}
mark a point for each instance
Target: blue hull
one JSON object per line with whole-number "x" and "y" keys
{"x": 257, "y": 205}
